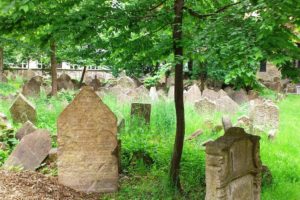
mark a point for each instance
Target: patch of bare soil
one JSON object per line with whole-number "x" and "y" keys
{"x": 28, "y": 185}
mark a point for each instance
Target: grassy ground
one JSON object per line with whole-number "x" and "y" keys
{"x": 155, "y": 143}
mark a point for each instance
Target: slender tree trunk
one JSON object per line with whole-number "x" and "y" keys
{"x": 53, "y": 67}
{"x": 179, "y": 104}
{"x": 1, "y": 63}
{"x": 82, "y": 76}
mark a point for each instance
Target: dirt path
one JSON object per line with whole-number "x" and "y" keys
{"x": 35, "y": 186}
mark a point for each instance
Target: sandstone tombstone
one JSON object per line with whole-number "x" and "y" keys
{"x": 210, "y": 94}
{"x": 22, "y": 110}
{"x": 233, "y": 167}
{"x": 205, "y": 106}
{"x": 89, "y": 124}
{"x": 226, "y": 105}
{"x": 31, "y": 151}
{"x": 65, "y": 82}
{"x": 95, "y": 83}
{"x": 126, "y": 82}
{"x": 153, "y": 94}
{"x": 264, "y": 115}
{"x": 222, "y": 93}
{"x": 3, "y": 79}
{"x": 26, "y": 129}
{"x": 142, "y": 111}
{"x": 31, "y": 88}
{"x": 226, "y": 121}
{"x": 240, "y": 96}
{"x": 193, "y": 94}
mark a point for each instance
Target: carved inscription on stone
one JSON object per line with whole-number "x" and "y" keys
{"x": 233, "y": 167}
{"x": 87, "y": 145}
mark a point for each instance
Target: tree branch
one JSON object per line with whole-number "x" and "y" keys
{"x": 203, "y": 16}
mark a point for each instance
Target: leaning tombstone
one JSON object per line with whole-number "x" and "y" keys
{"x": 31, "y": 151}
{"x": 233, "y": 167}
{"x": 87, "y": 145}
{"x": 141, "y": 111}
{"x": 22, "y": 110}
{"x": 26, "y": 129}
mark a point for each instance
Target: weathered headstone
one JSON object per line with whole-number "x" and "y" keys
{"x": 205, "y": 106}
{"x": 210, "y": 94}
{"x": 126, "y": 82}
{"x": 240, "y": 96}
{"x": 142, "y": 111}
{"x": 31, "y": 88}
{"x": 65, "y": 82}
{"x": 26, "y": 129}
{"x": 264, "y": 115}
{"x": 233, "y": 167}
{"x": 226, "y": 121}
{"x": 22, "y": 110}
{"x": 193, "y": 94}
{"x": 31, "y": 151}
{"x": 87, "y": 145}
{"x": 153, "y": 94}
{"x": 226, "y": 105}
{"x": 95, "y": 83}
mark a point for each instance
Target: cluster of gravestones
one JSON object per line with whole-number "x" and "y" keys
{"x": 89, "y": 151}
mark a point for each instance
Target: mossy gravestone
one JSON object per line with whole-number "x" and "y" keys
{"x": 233, "y": 167}
{"x": 22, "y": 110}
{"x": 87, "y": 145}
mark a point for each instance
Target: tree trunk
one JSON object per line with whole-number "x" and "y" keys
{"x": 53, "y": 67}
{"x": 82, "y": 76}
{"x": 1, "y": 63}
{"x": 179, "y": 104}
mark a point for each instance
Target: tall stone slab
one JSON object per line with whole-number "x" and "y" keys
{"x": 22, "y": 110}
{"x": 233, "y": 167}
{"x": 31, "y": 151}
{"x": 87, "y": 145}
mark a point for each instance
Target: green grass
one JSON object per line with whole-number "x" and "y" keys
{"x": 141, "y": 181}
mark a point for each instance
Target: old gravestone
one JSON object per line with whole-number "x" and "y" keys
{"x": 22, "y": 110}
{"x": 264, "y": 115}
{"x": 205, "y": 106}
{"x": 65, "y": 82}
{"x": 31, "y": 88}
{"x": 26, "y": 129}
{"x": 233, "y": 167}
{"x": 142, "y": 111}
{"x": 153, "y": 94}
{"x": 193, "y": 94}
{"x": 31, "y": 151}
{"x": 87, "y": 145}
{"x": 95, "y": 83}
